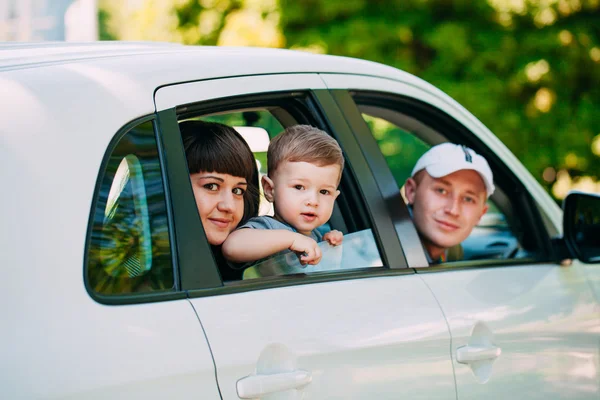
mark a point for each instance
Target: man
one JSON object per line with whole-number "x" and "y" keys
{"x": 447, "y": 194}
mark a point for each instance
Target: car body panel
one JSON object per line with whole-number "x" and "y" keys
{"x": 543, "y": 317}
{"x": 68, "y": 346}
{"x": 592, "y": 274}
{"x": 176, "y": 95}
{"x": 383, "y": 336}
{"x": 59, "y": 342}
{"x": 54, "y": 136}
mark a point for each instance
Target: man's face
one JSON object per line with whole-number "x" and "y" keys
{"x": 303, "y": 193}
{"x": 446, "y": 209}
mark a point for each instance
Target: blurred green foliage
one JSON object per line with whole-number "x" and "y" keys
{"x": 400, "y": 148}
{"x": 528, "y": 69}
{"x": 530, "y": 73}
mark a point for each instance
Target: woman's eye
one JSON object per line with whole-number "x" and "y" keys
{"x": 324, "y": 191}
{"x": 211, "y": 186}
{"x": 238, "y": 191}
{"x": 298, "y": 187}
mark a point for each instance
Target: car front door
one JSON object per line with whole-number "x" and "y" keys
{"x": 521, "y": 330}
{"x": 523, "y": 326}
{"x": 370, "y": 331}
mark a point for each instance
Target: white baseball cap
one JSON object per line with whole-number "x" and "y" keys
{"x": 447, "y": 158}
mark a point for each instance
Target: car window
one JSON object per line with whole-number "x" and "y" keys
{"x": 129, "y": 247}
{"x": 258, "y": 126}
{"x": 401, "y": 147}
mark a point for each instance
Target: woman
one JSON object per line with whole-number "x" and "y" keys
{"x": 224, "y": 179}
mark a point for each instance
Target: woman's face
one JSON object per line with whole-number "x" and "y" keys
{"x": 220, "y": 202}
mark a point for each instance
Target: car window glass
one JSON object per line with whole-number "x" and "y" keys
{"x": 129, "y": 248}
{"x": 359, "y": 249}
{"x": 401, "y": 148}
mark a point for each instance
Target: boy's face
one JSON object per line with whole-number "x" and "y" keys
{"x": 303, "y": 193}
{"x": 446, "y": 209}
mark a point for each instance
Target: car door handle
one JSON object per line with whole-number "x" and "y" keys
{"x": 470, "y": 354}
{"x": 254, "y": 386}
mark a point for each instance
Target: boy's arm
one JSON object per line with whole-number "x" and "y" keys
{"x": 245, "y": 245}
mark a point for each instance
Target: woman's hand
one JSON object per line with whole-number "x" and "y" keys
{"x": 334, "y": 237}
{"x": 307, "y": 249}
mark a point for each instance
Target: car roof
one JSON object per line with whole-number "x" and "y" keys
{"x": 17, "y": 55}
{"x": 189, "y": 62}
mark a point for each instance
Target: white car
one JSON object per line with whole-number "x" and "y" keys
{"x": 110, "y": 291}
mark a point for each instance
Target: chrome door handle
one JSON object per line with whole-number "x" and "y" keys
{"x": 471, "y": 354}
{"x": 254, "y": 386}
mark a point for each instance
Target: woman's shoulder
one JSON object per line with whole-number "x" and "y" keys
{"x": 229, "y": 271}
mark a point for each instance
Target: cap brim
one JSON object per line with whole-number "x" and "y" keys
{"x": 442, "y": 169}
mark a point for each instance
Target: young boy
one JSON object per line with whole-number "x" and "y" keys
{"x": 304, "y": 169}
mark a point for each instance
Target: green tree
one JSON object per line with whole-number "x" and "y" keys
{"x": 529, "y": 70}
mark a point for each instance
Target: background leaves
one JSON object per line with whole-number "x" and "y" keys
{"x": 528, "y": 69}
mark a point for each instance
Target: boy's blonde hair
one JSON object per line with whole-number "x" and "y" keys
{"x": 304, "y": 143}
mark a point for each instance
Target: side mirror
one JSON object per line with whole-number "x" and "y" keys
{"x": 581, "y": 226}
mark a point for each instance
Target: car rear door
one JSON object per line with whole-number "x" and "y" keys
{"x": 340, "y": 334}
{"x": 524, "y": 327}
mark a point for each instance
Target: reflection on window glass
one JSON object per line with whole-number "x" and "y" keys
{"x": 129, "y": 248}
{"x": 358, "y": 250}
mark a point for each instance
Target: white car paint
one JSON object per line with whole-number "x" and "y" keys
{"x": 174, "y": 95}
{"x": 378, "y": 336}
{"x": 543, "y": 317}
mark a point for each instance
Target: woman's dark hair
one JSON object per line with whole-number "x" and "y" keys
{"x": 214, "y": 147}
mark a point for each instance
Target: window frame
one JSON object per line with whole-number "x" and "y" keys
{"x": 314, "y": 107}
{"x": 131, "y": 298}
{"x": 522, "y": 202}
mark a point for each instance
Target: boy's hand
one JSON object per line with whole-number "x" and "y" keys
{"x": 307, "y": 248}
{"x": 334, "y": 237}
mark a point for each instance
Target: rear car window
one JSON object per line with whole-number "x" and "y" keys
{"x": 129, "y": 248}
{"x": 258, "y": 126}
